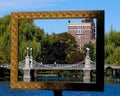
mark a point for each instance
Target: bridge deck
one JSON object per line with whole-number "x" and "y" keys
{"x": 37, "y": 68}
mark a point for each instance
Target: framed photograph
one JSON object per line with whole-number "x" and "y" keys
{"x": 57, "y": 50}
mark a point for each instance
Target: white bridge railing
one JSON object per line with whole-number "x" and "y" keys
{"x": 38, "y": 65}
{"x": 50, "y": 66}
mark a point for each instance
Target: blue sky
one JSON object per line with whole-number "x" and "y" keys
{"x": 111, "y": 7}
{"x": 55, "y": 25}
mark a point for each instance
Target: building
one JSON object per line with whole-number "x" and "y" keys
{"x": 84, "y": 31}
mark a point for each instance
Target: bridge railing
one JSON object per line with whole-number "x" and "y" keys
{"x": 78, "y": 65}
{"x": 40, "y": 65}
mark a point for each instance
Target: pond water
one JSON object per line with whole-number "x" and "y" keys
{"x": 110, "y": 90}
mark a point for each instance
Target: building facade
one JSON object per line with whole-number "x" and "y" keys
{"x": 83, "y": 32}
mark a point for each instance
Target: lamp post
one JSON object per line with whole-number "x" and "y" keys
{"x": 31, "y": 58}
{"x": 27, "y": 50}
{"x": 30, "y": 52}
{"x": 88, "y": 49}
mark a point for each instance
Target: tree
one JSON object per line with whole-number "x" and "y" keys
{"x": 29, "y": 36}
{"x": 112, "y": 47}
{"x": 115, "y": 37}
{"x": 116, "y": 55}
{"x": 76, "y": 57}
{"x": 5, "y": 37}
{"x": 36, "y": 47}
{"x": 39, "y": 34}
{"x": 27, "y": 30}
{"x": 4, "y": 24}
{"x": 46, "y": 42}
{"x": 71, "y": 48}
{"x": 55, "y": 53}
{"x": 62, "y": 49}
{"x": 2, "y": 58}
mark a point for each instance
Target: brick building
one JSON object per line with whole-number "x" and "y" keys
{"x": 84, "y": 31}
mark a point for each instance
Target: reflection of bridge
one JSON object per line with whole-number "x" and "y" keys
{"x": 40, "y": 66}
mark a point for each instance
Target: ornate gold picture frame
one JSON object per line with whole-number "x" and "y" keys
{"x": 99, "y": 85}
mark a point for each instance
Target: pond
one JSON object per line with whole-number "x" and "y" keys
{"x": 110, "y": 90}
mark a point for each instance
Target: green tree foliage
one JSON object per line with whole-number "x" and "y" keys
{"x": 112, "y": 50}
{"x": 36, "y": 46}
{"x": 116, "y": 59}
{"x": 56, "y": 53}
{"x": 72, "y": 52}
{"x": 39, "y": 34}
{"x": 76, "y": 57}
{"x": 5, "y": 38}
{"x": 46, "y": 43}
{"x": 115, "y": 37}
{"x": 2, "y": 58}
{"x": 27, "y": 30}
{"x": 62, "y": 49}
{"x": 4, "y": 24}
{"x": 29, "y": 36}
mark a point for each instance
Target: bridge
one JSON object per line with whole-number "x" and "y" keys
{"x": 39, "y": 66}
{"x": 29, "y": 64}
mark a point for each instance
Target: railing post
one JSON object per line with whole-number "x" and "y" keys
{"x": 86, "y": 69}
{"x": 31, "y": 58}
